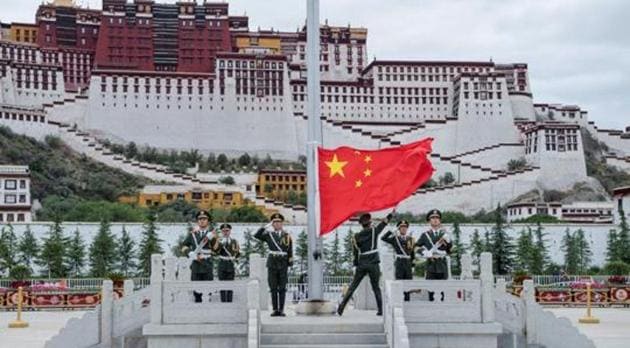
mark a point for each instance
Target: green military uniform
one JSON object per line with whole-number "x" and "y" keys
{"x": 404, "y": 252}
{"x": 280, "y": 258}
{"x": 437, "y": 267}
{"x": 200, "y": 269}
{"x": 228, "y": 251}
{"x": 366, "y": 260}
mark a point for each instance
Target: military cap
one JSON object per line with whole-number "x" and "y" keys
{"x": 402, "y": 223}
{"x": 434, "y": 212}
{"x": 228, "y": 226}
{"x": 365, "y": 217}
{"x": 276, "y": 217}
{"x": 202, "y": 213}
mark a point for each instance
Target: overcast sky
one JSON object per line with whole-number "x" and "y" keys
{"x": 578, "y": 51}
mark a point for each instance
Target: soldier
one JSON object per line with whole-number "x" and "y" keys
{"x": 280, "y": 259}
{"x": 435, "y": 245}
{"x": 366, "y": 259}
{"x": 198, "y": 244}
{"x": 404, "y": 249}
{"x": 228, "y": 251}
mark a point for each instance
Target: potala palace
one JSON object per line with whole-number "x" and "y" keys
{"x": 189, "y": 75}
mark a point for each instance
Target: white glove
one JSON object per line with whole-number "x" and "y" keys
{"x": 192, "y": 255}
{"x": 268, "y": 226}
{"x": 440, "y": 252}
{"x": 427, "y": 253}
{"x": 446, "y": 238}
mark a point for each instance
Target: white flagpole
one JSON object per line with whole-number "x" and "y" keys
{"x": 314, "y": 139}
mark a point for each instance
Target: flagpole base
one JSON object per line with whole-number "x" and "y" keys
{"x": 18, "y": 324}
{"x": 315, "y": 307}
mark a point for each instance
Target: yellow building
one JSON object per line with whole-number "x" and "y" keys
{"x": 155, "y": 195}
{"x": 23, "y": 32}
{"x": 258, "y": 43}
{"x": 274, "y": 183}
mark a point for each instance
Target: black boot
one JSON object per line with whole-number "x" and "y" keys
{"x": 274, "y": 303}
{"x": 379, "y": 302}
{"x": 282, "y": 294}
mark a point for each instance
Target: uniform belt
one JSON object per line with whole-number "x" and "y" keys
{"x": 278, "y": 253}
{"x": 373, "y": 251}
{"x": 228, "y": 258}
{"x": 403, "y": 256}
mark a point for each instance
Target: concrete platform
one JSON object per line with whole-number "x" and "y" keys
{"x": 42, "y": 326}
{"x": 613, "y": 331}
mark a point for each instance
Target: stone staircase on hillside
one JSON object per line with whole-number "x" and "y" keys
{"x": 354, "y": 330}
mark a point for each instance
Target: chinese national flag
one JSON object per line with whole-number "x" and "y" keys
{"x": 353, "y": 180}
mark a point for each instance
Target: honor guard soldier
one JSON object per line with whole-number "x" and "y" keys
{"x": 280, "y": 259}
{"x": 228, "y": 251}
{"x": 435, "y": 245}
{"x": 404, "y": 252}
{"x": 199, "y": 245}
{"x": 366, "y": 259}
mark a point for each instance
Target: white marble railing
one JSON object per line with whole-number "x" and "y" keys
{"x": 509, "y": 309}
{"x": 453, "y": 301}
{"x": 393, "y": 315}
{"x": 131, "y": 311}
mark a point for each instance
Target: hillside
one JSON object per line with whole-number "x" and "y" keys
{"x": 60, "y": 173}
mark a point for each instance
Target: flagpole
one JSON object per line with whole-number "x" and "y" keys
{"x": 314, "y": 139}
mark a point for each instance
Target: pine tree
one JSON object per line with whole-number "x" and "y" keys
{"x": 524, "y": 250}
{"x": 334, "y": 256}
{"x": 476, "y": 245}
{"x": 28, "y": 248}
{"x": 612, "y": 247}
{"x": 457, "y": 250}
{"x": 149, "y": 245}
{"x": 301, "y": 251}
{"x": 103, "y": 254}
{"x": 583, "y": 250}
{"x": 126, "y": 254}
{"x": 502, "y": 247}
{"x": 75, "y": 256}
{"x": 260, "y": 247}
{"x": 9, "y": 250}
{"x": 540, "y": 256}
{"x": 51, "y": 257}
{"x": 246, "y": 250}
{"x": 623, "y": 238}
{"x": 347, "y": 258}
{"x": 571, "y": 258}
{"x": 487, "y": 242}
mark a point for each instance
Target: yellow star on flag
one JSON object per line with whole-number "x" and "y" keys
{"x": 358, "y": 183}
{"x": 367, "y": 159}
{"x": 367, "y": 173}
{"x": 336, "y": 167}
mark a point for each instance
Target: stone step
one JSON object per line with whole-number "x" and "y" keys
{"x": 324, "y": 346}
{"x": 322, "y": 338}
{"x": 331, "y": 328}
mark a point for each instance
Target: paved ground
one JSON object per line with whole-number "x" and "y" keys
{"x": 42, "y": 326}
{"x": 613, "y": 330}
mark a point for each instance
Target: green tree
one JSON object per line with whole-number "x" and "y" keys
{"x": 583, "y": 250}
{"x": 149, "y": 245}
{"x": 28, "y": 248}
{"x": 222, "y": 162}
{"x": 9, "y": 250}
{"x": 524, "y": 250}
{"x": 244, "y": 160}
{"x": 457, "y": 250}
{"x": 301, "y": 251}
{"x": 476, "y": 245}
{"x": 571, "y": 258}
{"x": 612, "y": 247}
{"x": 227, "y": 180}
{"x": 51, "y": 257}
{"x": 131, "y": 150}
{"x": 502, "y": 246}
{"x": 623, "y": 238}
{"x": 75, "y": 256}
{"x": 246, "y": 250}
{"x": 334, "y": 257}
{"x": 246, "y": 213}
{"x": 540, "y": 255}
{"x": 103, "y": 251}
{"x": 126, "y": 254}
{"x": 347, "y": 257}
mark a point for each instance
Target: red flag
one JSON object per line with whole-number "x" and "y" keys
{"x": 353, "y": 180}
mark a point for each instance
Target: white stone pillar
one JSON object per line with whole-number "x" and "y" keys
{"x": 156, "y": 289}
{"x": 253, "y": 295}
{"x": 257, "y": 271}
{"x": 501, "y": 286}
{"x": 128, "y": 287}
{"x": 529, "y": 296}
{"x": 396, "y": 294}
{"x": 448, "y": 267}
{"x": 170, "y": 267}
{"x": 467, "y": 272}
{"x": 387, "y": 264}
{"x": 487, "y": 288}
{"x": 183, "y": 269}
{"x": 107, "y": 302}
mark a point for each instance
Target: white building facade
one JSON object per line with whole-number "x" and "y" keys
{"x": 15, "y": 194}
